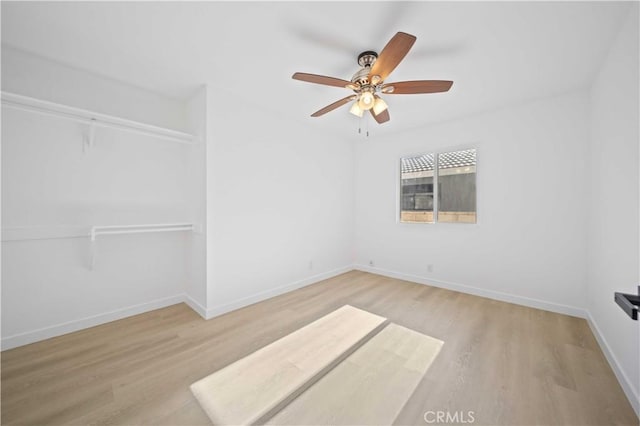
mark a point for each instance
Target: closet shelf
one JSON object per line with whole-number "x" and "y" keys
{"x": 92, "y": 119}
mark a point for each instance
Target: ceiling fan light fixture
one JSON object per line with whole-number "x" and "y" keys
{"x": 356, "y": 110}
{"x": 379, "y": 105}
{"x": 369, "y": 81}
{"x": 366, "y": 100}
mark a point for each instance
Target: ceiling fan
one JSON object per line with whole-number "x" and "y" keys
{"x": 369, "y": 80}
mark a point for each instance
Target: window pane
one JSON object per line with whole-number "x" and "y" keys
{"x": 457, "y": 186}
{"x": 416, "y": 193}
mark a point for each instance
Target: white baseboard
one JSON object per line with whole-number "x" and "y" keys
{"x": 22, "y": 339}
{"x": 476, "y": 291}
{"x": 627, "y": 385}
{"x": 10, "y": 342}
{"x": 246, "y": 301}
{"x": 201, "y": 310}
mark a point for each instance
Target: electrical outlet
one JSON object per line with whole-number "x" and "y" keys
{"x": 310, "y": 264}
{"x": 371, "y": 263}
{"x": 430, "y": 268}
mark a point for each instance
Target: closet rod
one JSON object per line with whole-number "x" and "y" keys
{"x": 79, "y": 115}
{"x": 131, "y": 229}
{"x": 151, "y": 225}
{"x": 137, "y": 229}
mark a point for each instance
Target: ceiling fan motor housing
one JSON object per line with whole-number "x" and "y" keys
{"x": 361, "y": 77}
{"x": 365, "y": 60}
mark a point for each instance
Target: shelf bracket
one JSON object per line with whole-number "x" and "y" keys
{"x": 90, "y": 137}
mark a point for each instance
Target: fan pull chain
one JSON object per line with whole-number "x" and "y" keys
{"x": 367, "y": 120}
{"x": 366, "y": 127}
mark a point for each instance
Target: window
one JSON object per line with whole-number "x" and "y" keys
{"x": 438, "y": 187}
{"x": 417, "y": 196}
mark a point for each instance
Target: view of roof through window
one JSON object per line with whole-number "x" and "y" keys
{"x": 446, "y": 160}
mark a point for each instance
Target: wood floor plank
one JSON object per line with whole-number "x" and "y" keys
{"x": 509, "y": 364}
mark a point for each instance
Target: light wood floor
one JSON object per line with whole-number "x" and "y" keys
{"x": 508, "y": 364}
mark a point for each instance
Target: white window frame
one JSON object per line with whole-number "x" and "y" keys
{"x": 436, "y": 189}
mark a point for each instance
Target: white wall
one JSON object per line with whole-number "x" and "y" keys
{"x": 529, "y": 245}
{"x": 280, "y": 207}
{"x": 613, "y": 259}
{"x": 48, "y": 183}
{"x": 196, "y": 284}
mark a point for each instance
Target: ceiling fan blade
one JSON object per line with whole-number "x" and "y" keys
{"x": 383, "y": 117}
{"x": 392, "y": 54}
{"x": 333, "y": 106}
{"x": 320, "y": 79}
{"x": 418, "y": 86}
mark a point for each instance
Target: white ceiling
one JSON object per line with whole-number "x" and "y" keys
{"x": 497, "y": 53}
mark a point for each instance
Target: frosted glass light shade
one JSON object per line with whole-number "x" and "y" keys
{"x": 356, "y": 110}
{"x": 379, "y": 106}
{"x": 366, "y": 101}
